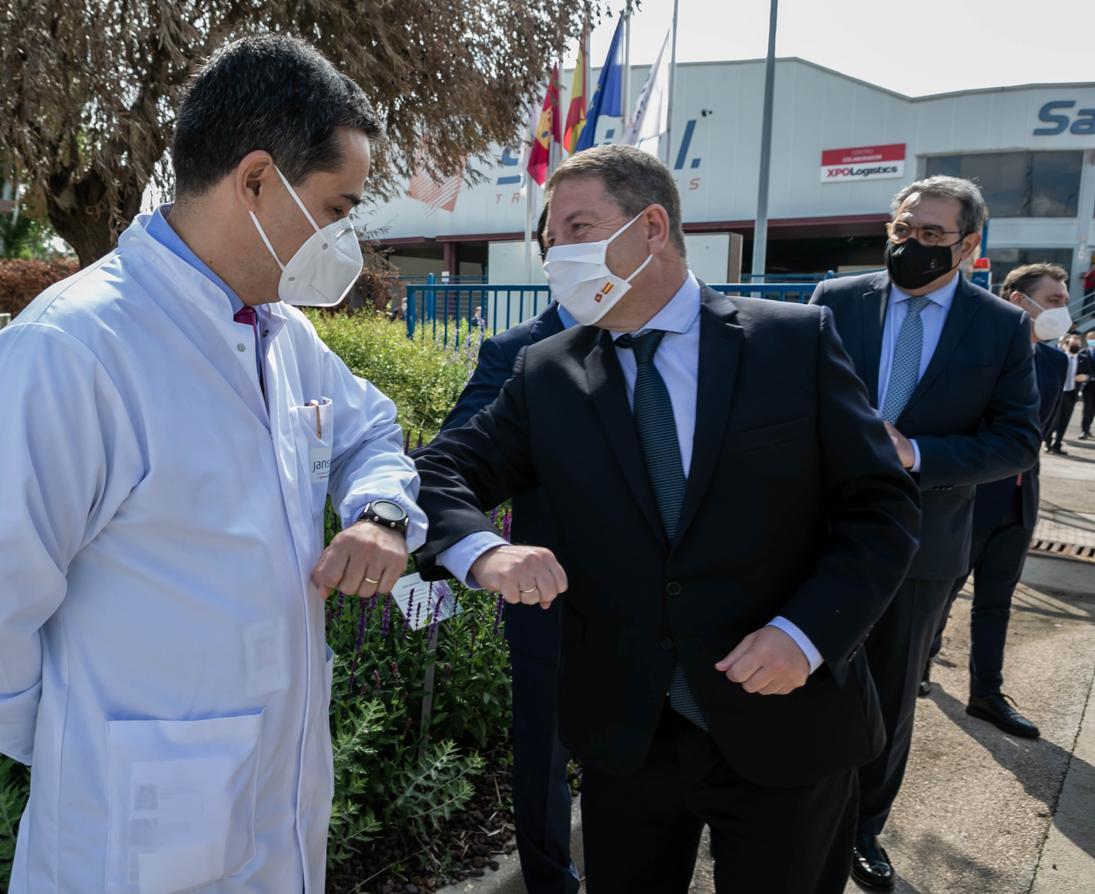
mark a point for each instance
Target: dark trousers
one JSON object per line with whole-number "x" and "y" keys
{"x": 997, "y": 558}
{"x": 541, "y": 793}
{"x": 1064, "y": 416}
{"x": 1089, "y": 408}
{"x": 897, "y": 651}
{"x": 641, "y": 832}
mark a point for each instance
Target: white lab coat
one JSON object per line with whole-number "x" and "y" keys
{"x": 163, "y": 665}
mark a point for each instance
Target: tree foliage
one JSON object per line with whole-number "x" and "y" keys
{"x": 90, "y": 88}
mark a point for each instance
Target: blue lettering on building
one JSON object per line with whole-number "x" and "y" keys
{"x": 1057, "y": 115}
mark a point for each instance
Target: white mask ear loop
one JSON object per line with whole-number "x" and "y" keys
{"x": 623, "y": 229}
{"x": 642, "y": 267}
{"x": 296, "y": 199}
{"x": 265, "y": 241}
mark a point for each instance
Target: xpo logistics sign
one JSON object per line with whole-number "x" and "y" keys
{"x": 863, "y": 163}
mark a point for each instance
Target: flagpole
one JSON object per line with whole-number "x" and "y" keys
{"x": 528, "y": 227}
{"x": 625, "y": 87}
{"x": 672, "y": 84}
{"x": 760, "y": 230}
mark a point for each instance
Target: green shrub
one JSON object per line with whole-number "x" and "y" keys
{"x": 420, "y": 375}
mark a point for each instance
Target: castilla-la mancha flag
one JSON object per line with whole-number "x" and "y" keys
{"x": 548, "y": 135}
{"x": 579, "y": 95}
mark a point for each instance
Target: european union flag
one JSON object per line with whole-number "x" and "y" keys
{"x": 608, "y": 100}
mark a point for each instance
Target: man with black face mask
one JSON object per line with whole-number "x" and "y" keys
{"x": 949, "y": 368}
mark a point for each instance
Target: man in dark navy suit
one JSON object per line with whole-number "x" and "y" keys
{"x": 725, "y": 528}
{"x": 948, "y": 365}
{"x": 541, "y": 790}
{"x": 1003, "y": 519}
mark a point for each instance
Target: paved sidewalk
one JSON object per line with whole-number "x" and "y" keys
{"x": 982, "y": 812}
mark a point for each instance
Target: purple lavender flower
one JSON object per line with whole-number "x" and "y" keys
{"x": 507, "y": 521}
{"x": 362, "y": 619}
{"x": 341, "y": 605}
{"x": 386, "y": 618}
{"x": 497, "y": 616}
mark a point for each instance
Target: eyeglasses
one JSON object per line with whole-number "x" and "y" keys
{"x": 926, "y": 234}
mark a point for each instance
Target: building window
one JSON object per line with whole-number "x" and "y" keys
{"x": 1004, "y": 260}
{"x": 1019, "y": 184}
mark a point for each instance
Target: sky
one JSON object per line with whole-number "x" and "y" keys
{"x": 915, "y": 47}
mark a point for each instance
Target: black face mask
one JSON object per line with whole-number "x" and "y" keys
{"x": 1074, "y": 349}
{"x": 912, "y": 265}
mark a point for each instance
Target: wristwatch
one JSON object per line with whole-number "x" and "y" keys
{"x": 387, "y": 514}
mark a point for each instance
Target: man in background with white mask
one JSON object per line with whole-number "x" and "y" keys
{"x": 1005, "y": 511}
{"x": 172, "y": 434}
{"x": 728, "y": 530}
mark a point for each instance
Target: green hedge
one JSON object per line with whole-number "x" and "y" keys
{"x": 391, "y": 776}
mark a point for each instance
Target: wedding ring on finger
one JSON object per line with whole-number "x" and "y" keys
{"x": 369, "y": 580}
{"x": 529, "y": 590}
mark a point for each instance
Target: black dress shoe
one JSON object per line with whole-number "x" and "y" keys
{"x": 1058, "y": 451}
{"x": 996, "y": 710}
{"x": 925, "y": 687}
{"x": 871, "y": 864}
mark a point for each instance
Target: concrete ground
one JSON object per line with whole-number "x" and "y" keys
{"x": 982, "y": 812}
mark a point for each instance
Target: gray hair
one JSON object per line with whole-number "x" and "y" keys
{"x": 634, "y": 179}
{"x": 972, "y": 216}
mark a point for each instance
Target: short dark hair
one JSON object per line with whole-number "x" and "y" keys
{"x": 271, "y": 92}
{"x": 635, "y": 179}
{"x": 1023, "y": 279}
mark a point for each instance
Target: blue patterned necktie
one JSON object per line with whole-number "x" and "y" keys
{"x": 905, "y": 368}
{"x": 662, "y": 452}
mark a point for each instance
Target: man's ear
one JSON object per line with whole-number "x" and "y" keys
{"x": 252, "y": 174}
{"x": 656, "y": 220}
{"x": 969, "y": 245}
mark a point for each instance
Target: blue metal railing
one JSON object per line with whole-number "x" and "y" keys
{"x": 798, "y": 292}
{"x": 449, "y": 309}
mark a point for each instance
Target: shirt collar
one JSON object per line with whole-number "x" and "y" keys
{"x": 679, "y": 314}
{"x": 943, "y": 296}
{"x": 565, "y": 317}
{"x": 162, "y": 231}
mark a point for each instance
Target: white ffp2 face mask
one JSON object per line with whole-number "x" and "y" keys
{"x": 581, "y": 281}
{"x": 1052, "y": 322}
{"x": 324, "y": 268}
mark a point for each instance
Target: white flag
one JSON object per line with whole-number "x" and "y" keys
{"x": 651, "y": 118}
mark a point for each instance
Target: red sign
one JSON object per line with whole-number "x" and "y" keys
{"x": 863, "y": 163}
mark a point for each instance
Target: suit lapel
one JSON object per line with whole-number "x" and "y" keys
{"x": 875, "y": 303}
{"x": 608, "y": 392}
{"x": 963, "y": 309}
{"x": 548, "y": 323}
{"x": 720, "y": 350}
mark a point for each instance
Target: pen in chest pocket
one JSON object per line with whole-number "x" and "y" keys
{"x": 319, "y": 423}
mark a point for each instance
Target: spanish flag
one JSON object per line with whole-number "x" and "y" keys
{"x": 579, "y": 94}
{"x": 548, "y": 133}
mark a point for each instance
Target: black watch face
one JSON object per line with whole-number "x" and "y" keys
{"x": 388, "y": 511}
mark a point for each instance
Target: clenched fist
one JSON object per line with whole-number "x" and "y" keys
{"x": 364, "y": 559}
{"x": 767, "y": 661}
{"x": 522, "y": 574}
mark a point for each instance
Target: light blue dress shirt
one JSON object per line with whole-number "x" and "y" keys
{"x": 933, "y": 316}
{"x": 677, "y": 360}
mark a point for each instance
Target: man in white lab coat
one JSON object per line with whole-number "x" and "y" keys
{"x": 171, "y": 433}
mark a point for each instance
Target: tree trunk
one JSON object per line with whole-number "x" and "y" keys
{"x": 80, "y": 214}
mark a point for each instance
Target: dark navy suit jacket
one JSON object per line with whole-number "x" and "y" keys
{"x": 528, "y": 628}
{"x": 994, "y": 500}
{"x": 974, "y": 413}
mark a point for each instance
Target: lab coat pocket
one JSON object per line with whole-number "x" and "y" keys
{"x": 315, "y": 437}
{"x": 181, "y": 802}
